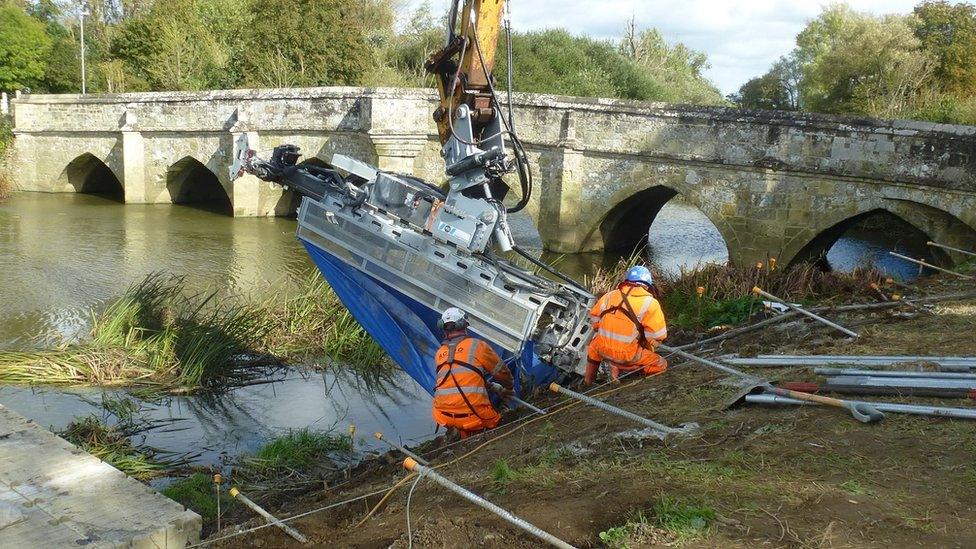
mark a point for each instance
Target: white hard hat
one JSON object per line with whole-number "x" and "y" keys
{"x": 455, "y": 317}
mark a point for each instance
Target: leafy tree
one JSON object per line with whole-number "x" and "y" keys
{"x": 554, "y": 61}
{"x": 24, "y": 47}
{"x": 304, "y": 43}
{"x": 677, "y": 68}
{"x": 948, "y": 32}
{"x": 778, "y": 89}
{"x": 856, "y": 63}
{"x": 404, "y": 55}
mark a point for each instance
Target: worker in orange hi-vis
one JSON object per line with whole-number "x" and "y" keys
{"x": 465, "y": 368}
{"x": 629, "y": 324}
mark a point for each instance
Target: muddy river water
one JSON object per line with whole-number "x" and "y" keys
{"x": 62, "y": 254}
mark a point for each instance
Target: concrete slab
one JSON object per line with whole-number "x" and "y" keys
{"x": 56, "y": 495}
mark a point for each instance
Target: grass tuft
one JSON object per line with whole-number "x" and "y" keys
{"x": 684, "y": 520}
{"x": 197, "y": 493}
{"x": 301, "y": 451}
{"x": 111, "y": 445}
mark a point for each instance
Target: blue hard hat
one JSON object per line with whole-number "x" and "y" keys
{"x": 640, "y": 274}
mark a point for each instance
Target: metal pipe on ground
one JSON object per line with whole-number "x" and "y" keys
{"x": 915, "y": 409}
{"x": 861, "y": 412}
{"x": 824, "y": 360}
{"x": 759, "y": 291}
{"x": 901, "y": 382}
{"x": 844, "y": 389}
{"x": 401, "y": 449}
{"x": 930, "y": 266}
{"x": 497, "y": 387}
{"x": 235, "y": 493}
{"x": 411, "y": 465}
{"x": 951, "y": 248}
{"x": 686, "y": 428}
{"x": 850, "y": 372}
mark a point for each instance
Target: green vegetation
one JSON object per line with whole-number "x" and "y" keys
{"x": 684, "y": 520}
{"x": 197, "y": 493}
{"x": 206, "y": 44}
{"x": 892, "y": 66}
{"x": 6, "y": 139}
{"x": 312, "y": 322}
{"x": 158, "y": 334}
{"x": 502, "y": 473}
{"x": 301, "y": 451}
{"x": 726, "y": 290}
{"x": 109, "y": 438}
{"x": 676, "y": 521}
{"x": 111, "y": 445}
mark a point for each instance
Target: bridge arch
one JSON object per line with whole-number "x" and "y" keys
{"x": 189, "y": 181}
{"x": 632, "y": 212}
{"x": 89, "y": 174}
{"x": 921, "y": 222}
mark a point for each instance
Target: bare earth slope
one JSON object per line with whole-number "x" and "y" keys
{"x": 800, "y": 477}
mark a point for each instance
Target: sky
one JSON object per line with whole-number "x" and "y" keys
{"x": 742, "y": 38}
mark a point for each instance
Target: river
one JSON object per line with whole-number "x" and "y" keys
{"x": 62, "y": 254}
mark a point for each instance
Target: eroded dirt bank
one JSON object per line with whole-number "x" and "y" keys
{"x": 750, "y": 476}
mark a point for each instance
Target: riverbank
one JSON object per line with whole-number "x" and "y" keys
{"x": 749, "y": 476}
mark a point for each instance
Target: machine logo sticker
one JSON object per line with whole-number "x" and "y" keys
{"x": 453, "y": 231}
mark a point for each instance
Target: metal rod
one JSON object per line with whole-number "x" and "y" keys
{"x": 962, "y": 413}
{"x": 758, "y": 291}
{"x": 497, "y": 387}
{"x": 235, "y": 493}
{"x": 556, "y": 388}
{"x": 404, "y": 451}
{"x": 901, "y": 382}
{"x": 820, "y": 360}
{"x": 891, "y": 373}
{"x": 930, "y": 266}
{"x": 861, "y": 412}
{"x": 411, "y": 465}
{"x": 943, "y": 246}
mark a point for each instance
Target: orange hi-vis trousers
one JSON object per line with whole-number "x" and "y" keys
{"x": 649, "y": 361}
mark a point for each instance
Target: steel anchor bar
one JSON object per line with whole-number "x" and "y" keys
{"x": 402, "y": 450}
{"x": 235, "y": 493}
{"x": 411, "y": 465}
{"x": 758, "y": 291}
{"x": 929, "y": 265}
{"x": 688, "y": 427}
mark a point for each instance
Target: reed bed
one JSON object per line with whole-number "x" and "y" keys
{"x": 710, "y": 295}
{"x": 312, "y": 322}
{"x": 161, "y": 335}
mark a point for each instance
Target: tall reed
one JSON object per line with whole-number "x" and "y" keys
{"x": 726, "y": 290}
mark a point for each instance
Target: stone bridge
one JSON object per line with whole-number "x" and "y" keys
{"x": 774, "y": 184}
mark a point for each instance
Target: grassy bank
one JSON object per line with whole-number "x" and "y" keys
{"x": 721, "y": 295}
{"x": 162, "y": 335}
{"x": 295, "y": 461}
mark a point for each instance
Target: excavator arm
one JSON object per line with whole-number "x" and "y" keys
{"x": 434, "y": 249}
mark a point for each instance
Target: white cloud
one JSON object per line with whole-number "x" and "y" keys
{"x": 742, "y": 38}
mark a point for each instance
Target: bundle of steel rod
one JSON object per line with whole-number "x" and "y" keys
{"x": 946, "y": 364}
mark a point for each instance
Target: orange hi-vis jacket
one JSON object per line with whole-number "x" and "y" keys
{"x": 460, "y": 389}
{"x": 626, "y": 321}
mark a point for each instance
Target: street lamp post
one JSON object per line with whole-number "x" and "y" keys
{"x": 81, "y": 17}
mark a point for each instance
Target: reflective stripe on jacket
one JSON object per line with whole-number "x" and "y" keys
{"x": 461, "y": 381}
{"x": 617, "y": 337}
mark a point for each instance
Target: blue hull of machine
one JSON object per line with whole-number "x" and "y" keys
{"x": 405, "y": 329}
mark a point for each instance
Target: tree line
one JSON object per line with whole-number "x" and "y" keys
{"x": 147, "y": 45}
{"x": 919, "y": 66}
